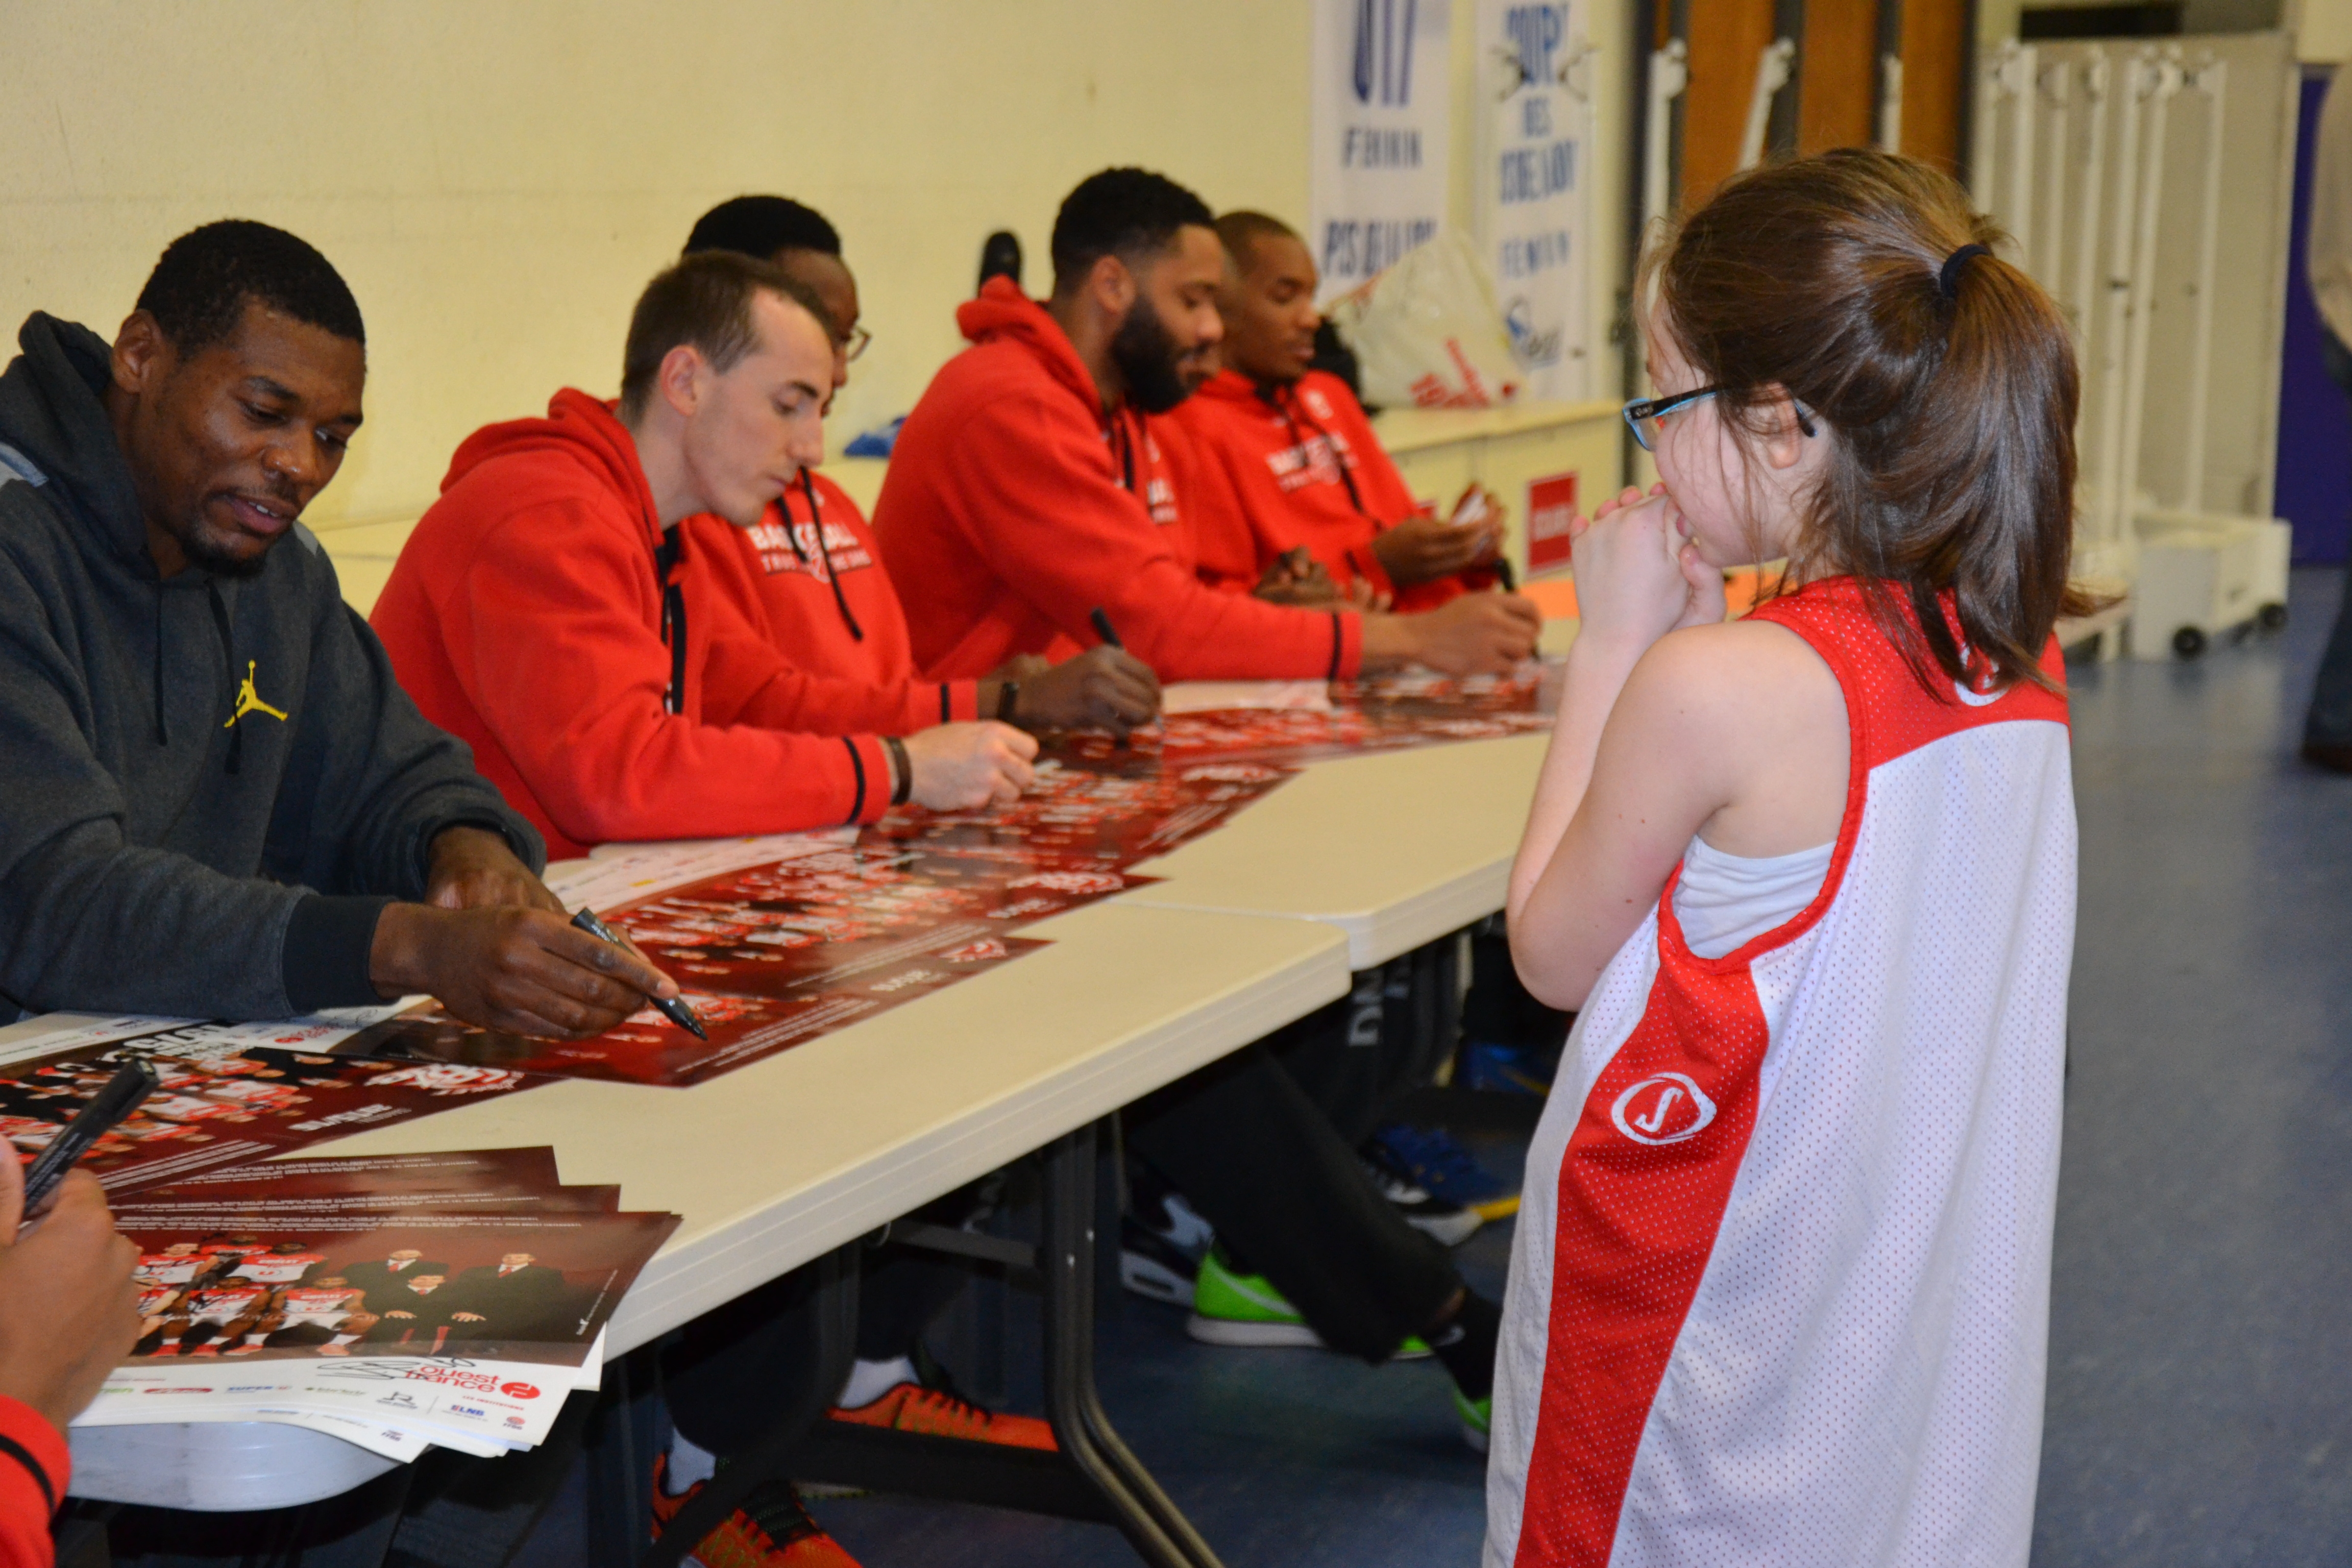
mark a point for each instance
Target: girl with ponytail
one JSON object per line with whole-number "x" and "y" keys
{"x": 1780, "y": 1287}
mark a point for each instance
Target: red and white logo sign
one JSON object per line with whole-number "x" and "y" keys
{"x": 1552, "y": 501}
{"x": 518, "y": 1390}
{"x": 1664, "y": 1107}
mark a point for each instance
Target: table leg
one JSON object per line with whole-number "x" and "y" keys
{"x": 835, "y": 1306}
{"x": 1160, "y": 1534}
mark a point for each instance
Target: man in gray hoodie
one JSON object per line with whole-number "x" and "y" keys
{"x": 218, "y": 802}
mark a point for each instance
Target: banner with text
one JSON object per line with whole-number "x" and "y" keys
{"x": 1535, "y": 135}
{"x": 1382, "y": 102}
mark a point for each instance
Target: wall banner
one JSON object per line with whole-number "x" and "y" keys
{"x": 1535, "y": 133}
{"x": 1381, "y": 106}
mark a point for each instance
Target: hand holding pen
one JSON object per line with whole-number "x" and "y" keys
{"x": 673, "y": 1006}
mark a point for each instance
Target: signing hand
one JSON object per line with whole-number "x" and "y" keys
{"x": 522, "y": 971}
{"x": 1104, "y": 687}
{"x": 961, "y": 767}
{"x": 1422, "y": 549}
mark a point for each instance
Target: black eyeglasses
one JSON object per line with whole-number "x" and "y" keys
{"x": 1644, "y": 413}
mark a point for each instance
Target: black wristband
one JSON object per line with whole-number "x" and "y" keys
{"x": 905, "y": 786}
{"x": 1008, "y": 696}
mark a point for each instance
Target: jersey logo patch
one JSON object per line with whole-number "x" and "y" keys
{"x": 1664, "y": 1107}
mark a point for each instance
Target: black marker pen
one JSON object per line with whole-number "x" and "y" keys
{"x": 133, "y": 1082}
{"x": 675, "y": 1009}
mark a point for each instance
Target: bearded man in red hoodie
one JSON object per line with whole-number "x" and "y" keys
{"x": 550, "y": 609}
{"x": 1032, "y": 485}
{"x": 1286, "y": 460}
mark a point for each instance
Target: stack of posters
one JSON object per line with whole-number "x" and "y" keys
{"x": 397, "y": 1302}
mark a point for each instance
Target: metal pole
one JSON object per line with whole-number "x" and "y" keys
{"x": 2116, "y": 325}
{"x": 2025, "y": 101}
{"x": 1890, "y": 103}
{"x": 1771, "y": 76}
{"x": 2211, "y": 78}
{"x": 2058, "y": 82}
{"x": 2165, "y": 82}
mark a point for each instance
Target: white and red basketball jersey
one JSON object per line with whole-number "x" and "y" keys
{"x": 1780, "y": 1291}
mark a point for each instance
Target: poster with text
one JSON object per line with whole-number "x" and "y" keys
{"x": 1533, "y": 208}
{"x": 1381, "y": 103}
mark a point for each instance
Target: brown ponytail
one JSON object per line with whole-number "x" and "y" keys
{"x": 1953, "y": 413}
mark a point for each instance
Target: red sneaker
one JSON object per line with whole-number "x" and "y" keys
{"x": 911, "y": 1407}
{"x": 772, "y": 1529}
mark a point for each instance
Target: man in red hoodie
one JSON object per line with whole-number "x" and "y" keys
{"x": 1286, "y": 459}
{"x": 808, "y": 575}
{"x": 551, "y": 611}
{"x": 1030, "y": 487}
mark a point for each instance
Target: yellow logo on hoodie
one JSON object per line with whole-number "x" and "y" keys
{"x": 248, "y": 701}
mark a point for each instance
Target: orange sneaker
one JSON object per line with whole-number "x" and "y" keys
{"x": 911, "y": 1407}
{"x": 772, "y": 1529}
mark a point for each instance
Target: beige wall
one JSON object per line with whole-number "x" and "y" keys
{"x": 498, "y": 178}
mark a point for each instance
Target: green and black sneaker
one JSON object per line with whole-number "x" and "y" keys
{"x": 1477, "y": 1418}
{"x": 1230, "y": 1308}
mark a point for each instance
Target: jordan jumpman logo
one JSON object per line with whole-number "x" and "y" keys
{"x": 248, "y": 701}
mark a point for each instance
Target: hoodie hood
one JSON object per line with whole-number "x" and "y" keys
{"x": 1001, "y": 312}
{"x": 53, "y": 420}
{"x": 581, "y": 428}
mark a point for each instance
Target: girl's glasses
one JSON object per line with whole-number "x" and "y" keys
{"x": 1645, "y": 415}
{"x": 855, "y": 343}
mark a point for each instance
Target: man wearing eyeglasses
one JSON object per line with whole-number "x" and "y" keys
{"x": 807, "y": 576}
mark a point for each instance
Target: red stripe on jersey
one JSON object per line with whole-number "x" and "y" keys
{"x": 1643, "y": 1189}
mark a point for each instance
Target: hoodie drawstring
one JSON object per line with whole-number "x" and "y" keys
{"x": 228, "y": 657}
{"x": 673, "y": 616}
{"x": 824, "y": 552}
{"x": 163, "y": 735}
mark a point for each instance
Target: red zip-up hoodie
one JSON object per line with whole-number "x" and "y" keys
{"x": 1007, "y": 517}
{"x": 606, "y": 688}
{"x": 808, "y": 578}
{"x": 34, "y": 1467}
{"x": 1282, "y": 465}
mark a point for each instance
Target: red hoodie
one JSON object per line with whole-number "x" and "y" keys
{"x": 529, "y": 615}
{"x": 808, "y": 579}
{"x": 34, "y": 1469}
{"x": 1008, "y": 516}
{"x": 1285, "y": 466}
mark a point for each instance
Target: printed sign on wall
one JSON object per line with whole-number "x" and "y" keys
{"x": 1552, "y": 501}
{"x": 1382, "y": 102}
{"x": 1533, "y": 212}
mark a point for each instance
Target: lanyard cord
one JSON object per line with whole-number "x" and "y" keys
{"x": 816, "y": 522}
{"x": 1125, "y": 446}
{"x": 1271, "y": 394}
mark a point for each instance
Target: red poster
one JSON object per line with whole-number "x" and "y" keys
{"x": 225, "y": 1099}
{"x": 1552, "y": 501}
{"x": 650, "y": 1049}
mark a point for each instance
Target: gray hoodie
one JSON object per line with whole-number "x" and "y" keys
{"x": 183, "y": 762}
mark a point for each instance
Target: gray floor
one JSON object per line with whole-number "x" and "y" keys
{"x": 2200, "y": 1366}
{"x": 2200, "y": 1380}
